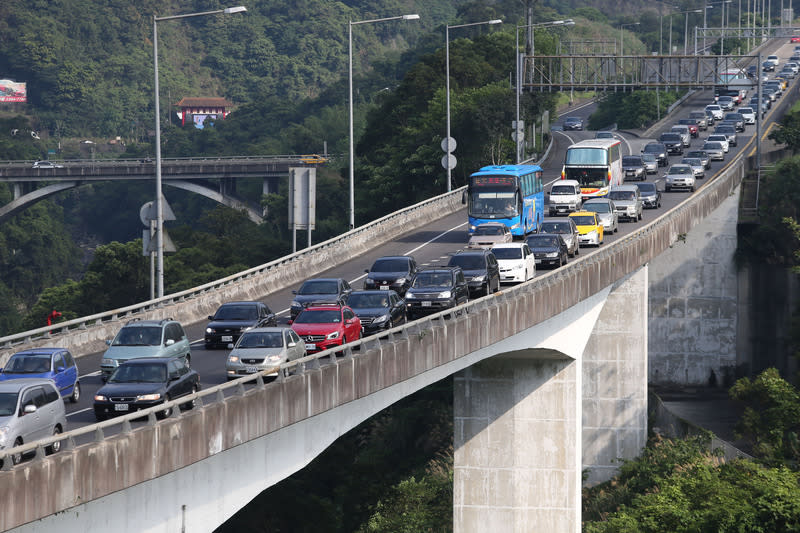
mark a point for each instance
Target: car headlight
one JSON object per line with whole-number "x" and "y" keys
{"x": 400, "y": 281}
{"x": 444, "y": 294}
{"x": 148, "y": 397}
{"x": 369, "y": 281}
{"x": 233, "y": 358}
{"x": 209, "y": 330}
{"x": 552, "y": 254}
{"x": 471, "y": 228}
{"x": 274, "y": 359}
{"x": 411, "y": 296}
{"x": 334, "y": 335}
{"x": 296, "y": 304}
{"x": 3, "y": 436}
{"x": 112, "y": 362}
{"x": 100, "y": 398}
{"x": 592, "y": 233}
{"x": 380, "y": 319}
{"x": 478, "y": 278}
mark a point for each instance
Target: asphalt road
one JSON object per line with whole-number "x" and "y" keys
{"x": 432, "y": 245}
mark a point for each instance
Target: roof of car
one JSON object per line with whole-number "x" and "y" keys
{"x": 150, "y": 360}
{"x": 139, "y": 323}
{"x": 473, "y": 251}
{"x": 270, "y": 329}
{"x": 509, "y": 245}
{"x": 14, "y": 385}
{"x": 37, "y": 351}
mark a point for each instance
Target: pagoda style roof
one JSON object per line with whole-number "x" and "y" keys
{"x": 204, "y": 102}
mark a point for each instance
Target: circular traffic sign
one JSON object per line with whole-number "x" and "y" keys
{"x": 449, "y": 161}
{"x": 452, "y": 146}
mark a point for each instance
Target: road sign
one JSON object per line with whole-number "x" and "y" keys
{"x": 148, "y": 212}
{"x": 150, "y": 244}
{"x": 449, "y": 161}
{"x": 452, "y": 145}
{"x": 521, "y": 135}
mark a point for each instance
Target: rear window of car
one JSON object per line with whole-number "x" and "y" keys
{"x": 631, "y": 160}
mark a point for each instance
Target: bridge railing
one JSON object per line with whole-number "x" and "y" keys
{"x": 139, "y": 160}
{"x": 90, "y": 332}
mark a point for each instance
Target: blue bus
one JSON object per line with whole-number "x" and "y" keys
{"x": 510, "y": 194}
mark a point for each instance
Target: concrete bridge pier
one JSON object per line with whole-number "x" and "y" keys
{"x": 550, "y": 405}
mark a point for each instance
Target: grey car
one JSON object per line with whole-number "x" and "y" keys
{"x": 697, "y": 166}
{"x": 567, "y": 229}
{"x": 633, "y": 167}
{"x": 145, "y": 338}
{"x": 627, "y": 202}
{"x": 650, "y": 195}
{"x": 715, "y": 150}
{"x": 650, "y": 163}
{"x": 606, "y": 212}
{"x": 31, "y": 409}
{"x": 702, "y": 154}
{"x": 262, "y": 349}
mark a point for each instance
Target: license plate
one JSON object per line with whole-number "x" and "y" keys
{"x": 252, "y": 369}
{"x": 538, "y": 261}
{"x": 426, "y": 304}
{"x": 120, "y": 406}
{"x": 227, "y": 338}
{"x": 311, "y": 346}
{"x": 384, "y": 287}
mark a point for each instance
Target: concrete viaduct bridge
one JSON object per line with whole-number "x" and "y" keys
{"x": 214, "y": 178}
{"x": 551, "y": 381}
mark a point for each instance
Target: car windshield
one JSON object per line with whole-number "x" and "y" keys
{"x": 555, "y": 227}
{"x": 468, "y": 261}
{"x": 713, "y": 146}
{"x": 562, "y": 189}
{"x": 236, "y": 312}
{"x": 583, "y": 220}
{"x": 433, "y": 279}
{"x": 597, "y": 207}
{"x": 488, "y": 230}
{"x": 373, "y": 299}
{"x": 318, "y": 287}
{"x": 261, "y": 339}
{"x": 542, "y": 241}
{"x": 631, "y": 161}
{"x": 700, "y": 155}
{"x": 8, "y": 403}
{"x": 507, "y": 253}
{"x": 138, "y": 336}
{"x": 692, "y": 161}
{"x": 717, "y": 138}
{"x": 389, "y": 265}
{"x": 670, "y": 137}
{"x": 28, "y": 364}
{"x": 680, "y": 170}
{"x": 139, "y": 373}
{"x": 572, "y": 120}
{"x": 621, "y": 195}
{"x": 648, "y": 158}
{"x": 319, "y": 316}
{"x": 653, "y": 148}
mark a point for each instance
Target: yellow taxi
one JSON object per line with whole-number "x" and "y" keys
{"x": 313, "y": 159}
{"x": 590, "y": 230}
{"x": 784, "y": 82}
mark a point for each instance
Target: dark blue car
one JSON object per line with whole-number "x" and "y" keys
{"x": 51, "y": 363}
{"x": 234, "y": 318}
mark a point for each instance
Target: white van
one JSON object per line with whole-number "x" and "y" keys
{"x": 565, "y": 197}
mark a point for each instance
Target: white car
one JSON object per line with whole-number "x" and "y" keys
{"x": 516, "y": 261}
{"x": 716, "y": 111}
{"x": 774, "y": 60}
{"x": 749, "y": 114}
{"x": 720, "y": 137}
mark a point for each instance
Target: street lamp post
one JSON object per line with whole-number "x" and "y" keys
{"x": 447, "y": 77}
{"x": 518, "y": 57}
{"x": 621, "y": 43}
{"x": 159, "y": 201}
{"x": 350, "y": 84}
{"x": 686, "y": 30}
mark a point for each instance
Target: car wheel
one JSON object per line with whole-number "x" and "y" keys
{"x": 577, "y": 250}
{"x": 166, "y": 413}
{"x": 692, "y": 189}
{"x": 640, "y": 216}
{"x": 17, "y": 457}
{"x": 191, "y": 404}
{"x": 188, "y": 359}
{"x": 76, "y": 392}
{"x": 56, "y": 446}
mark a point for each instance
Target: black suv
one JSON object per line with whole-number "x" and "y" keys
{"x": 673, "y": 142}
{"x": 480, "y": 268}
{"x": 391, "y": 273}
{"x": 435, "y": 289}
{"x": 234, "y": 318}
{"x": 316, "y": 290}
{"x": 658, "y": 150}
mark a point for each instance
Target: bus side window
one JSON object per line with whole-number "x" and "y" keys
{"x": 539, "y": 186}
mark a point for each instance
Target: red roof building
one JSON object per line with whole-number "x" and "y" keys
{"x": 199, "y": 109}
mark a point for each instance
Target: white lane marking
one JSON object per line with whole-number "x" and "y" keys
{"x": 80, "y": 411}
{"x": 97, "y": 373}
{"x": 567, "y": 136}
{"x": 407, "y": 253}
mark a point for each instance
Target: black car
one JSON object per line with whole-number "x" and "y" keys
{"x": 391, "y": 272}
{"x": 548, "y": 249}
{"x": 377, "y": 310}
{"x": 737, "y": 119}
{"x": 480, "y": 269}
{"x": 768, "y": 66}
{"x": 435, "y": 289}
{"x": 315, "y": 290}
{"x": 650, "y": 195}
{"x": 673, "y": 142}
{"x": 633, "y": 167}
{"x": 233, "y": 318}
{"x": 658, "y": 150}
{"x": 729, "y": 130}
{"x": 142, "y": 383}
{"x": 573, "y": 123}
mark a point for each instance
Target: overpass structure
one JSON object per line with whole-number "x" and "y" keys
{"x": 214, "y": 178}
{"x": 551, "y": 380}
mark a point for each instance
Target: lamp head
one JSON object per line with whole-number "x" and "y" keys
{"x": 411, "y": 17}
{"x": 237, "y": 9}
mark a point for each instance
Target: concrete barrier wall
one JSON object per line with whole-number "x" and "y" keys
{"x": 86, "y": 472}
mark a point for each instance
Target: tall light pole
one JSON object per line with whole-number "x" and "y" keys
{"x": 447, "y": 77}
{"x": 518, "y": 58}
{"x": 159, "y": 201}
{"x": 686, "y": 30}
{"x": 621, "y": 26}
{"x": 350, "y": 79}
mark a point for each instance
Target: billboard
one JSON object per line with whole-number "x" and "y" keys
{"x": 13, "y": 91}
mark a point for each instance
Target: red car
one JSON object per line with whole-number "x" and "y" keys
{"x": 324, "y": 325}
{"x": 795, "y": 39}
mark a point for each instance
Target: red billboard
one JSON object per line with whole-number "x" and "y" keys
{"x": 13, "y": 91}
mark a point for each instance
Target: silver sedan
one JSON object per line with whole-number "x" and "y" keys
{"x": 261, "y": 349}
{"x": 606, "y": 212}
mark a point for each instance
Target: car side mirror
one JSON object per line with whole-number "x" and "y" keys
{"x": 230, "y": 346}
{"x": 291, "y": 344}
{"x": 294, "y": 292}
{"x": 169, "y": 342}
{"x": 210, "y": 317}
{"x": 60, "y": 369}
{"x": 28, "y": 409}
{"x": 108, "y": 342}
{"x": 366, "y": 271}
{"x": 464, "y": 197}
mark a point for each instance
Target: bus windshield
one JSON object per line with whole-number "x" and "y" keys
{"x": 588, "y": 177}
{"x": 486, "y": 203}
{"x": 586, "y": 156}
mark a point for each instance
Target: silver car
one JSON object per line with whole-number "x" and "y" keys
{"x": 627, "y": 201}
{"x": 697, "y": 166}
{"x": 715, "y": 150}
{"x": 650, "y": 163}
{"x": 606, "y": 212}
{"x": 31, "y": 409}
{"x": 679, "y": 177}
{"x": 262, "y": 349}
{"x": 567, "y": 229}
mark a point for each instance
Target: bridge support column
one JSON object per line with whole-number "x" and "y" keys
{"x": 517, "y": 446}
{"x": 615, "y": 380}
